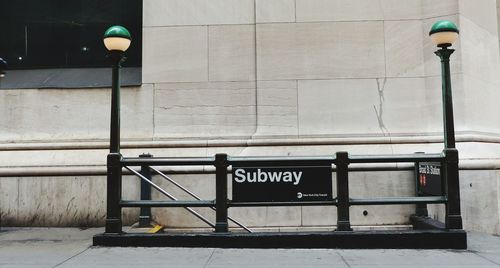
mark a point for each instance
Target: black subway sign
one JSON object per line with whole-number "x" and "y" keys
{"x": 282, "y": 184}
{"x": 429, "y": 179}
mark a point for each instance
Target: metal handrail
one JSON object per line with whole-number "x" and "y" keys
{"x": 233, "y": 159}
{"x": 166, "y": 203}
{"x": 169, "y": 196}
{"x": 396, "y": 158}
{"x": 193, "y": 161}
{"x": 281, "y": 161}
{"x": 167, "y": 161}
{"x": 291, "y": 203}
{"x": 195, "y": 196}
{"x": 398, "y": 200}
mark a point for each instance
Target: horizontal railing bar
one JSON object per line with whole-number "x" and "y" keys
{"x": 274, "y": 204}
{"x": 396, "y": 158}
{"x": 163, "y": 161}
{"x": 379, "y": 169}
{"x": 398, "y": 200}
{"x": 287, "y": 160}
{"x": 166, "y": 203}
{"x": 281, "y": 160}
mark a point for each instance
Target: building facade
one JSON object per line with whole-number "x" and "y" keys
{"x": 267, "y": 77}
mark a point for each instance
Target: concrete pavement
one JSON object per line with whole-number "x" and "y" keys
{"x": 71, "y": 247}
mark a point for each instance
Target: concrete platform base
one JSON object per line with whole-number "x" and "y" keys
{"x": 412, "y": 239}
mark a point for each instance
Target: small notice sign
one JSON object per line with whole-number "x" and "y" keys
{"x": 282, "y": 184}
{"x": 429, "y": 179}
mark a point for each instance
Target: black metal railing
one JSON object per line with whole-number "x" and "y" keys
{"x": 341, "y": 160}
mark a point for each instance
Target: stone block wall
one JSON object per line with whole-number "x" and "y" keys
{"x": 282, "y": 69}
{"x": 308, "y": 52}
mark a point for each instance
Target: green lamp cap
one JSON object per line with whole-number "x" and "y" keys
{"x": 443, "y": 26}
{"x": 117, "y": 31}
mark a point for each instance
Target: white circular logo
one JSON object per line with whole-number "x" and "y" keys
{"x": 299, "y": 195}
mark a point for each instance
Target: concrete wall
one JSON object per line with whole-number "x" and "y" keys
{"x": 267, "y": 77}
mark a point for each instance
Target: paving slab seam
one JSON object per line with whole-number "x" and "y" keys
{"x": 343, "y": 259}
{"x": 209, "y": 258}
{"x": 74, "y": 256}
{"x": 486, "y": 258}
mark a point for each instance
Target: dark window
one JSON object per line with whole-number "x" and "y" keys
{"x": 38, "y": 34}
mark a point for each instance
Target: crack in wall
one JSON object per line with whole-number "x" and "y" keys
{"x": 380, "y": 111}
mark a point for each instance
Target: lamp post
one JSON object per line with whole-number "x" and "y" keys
{"x": 117, "y": 40}
{"x": 444, "y": 33}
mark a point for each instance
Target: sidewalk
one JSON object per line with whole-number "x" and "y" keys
{"x": 71, "y": 247}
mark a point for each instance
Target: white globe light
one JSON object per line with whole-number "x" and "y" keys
{"x": 444, "y": 33}
{"x": 440, "y": 38}
{"x": 117, "y": 43}
{"x": 117, "y": 38}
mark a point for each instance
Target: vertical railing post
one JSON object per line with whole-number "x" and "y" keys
{"x": 145, "y": 213}
{"x": 342, "y": 163}
{"x": 453, "y": 215}
{"x": 221, "y": 164}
